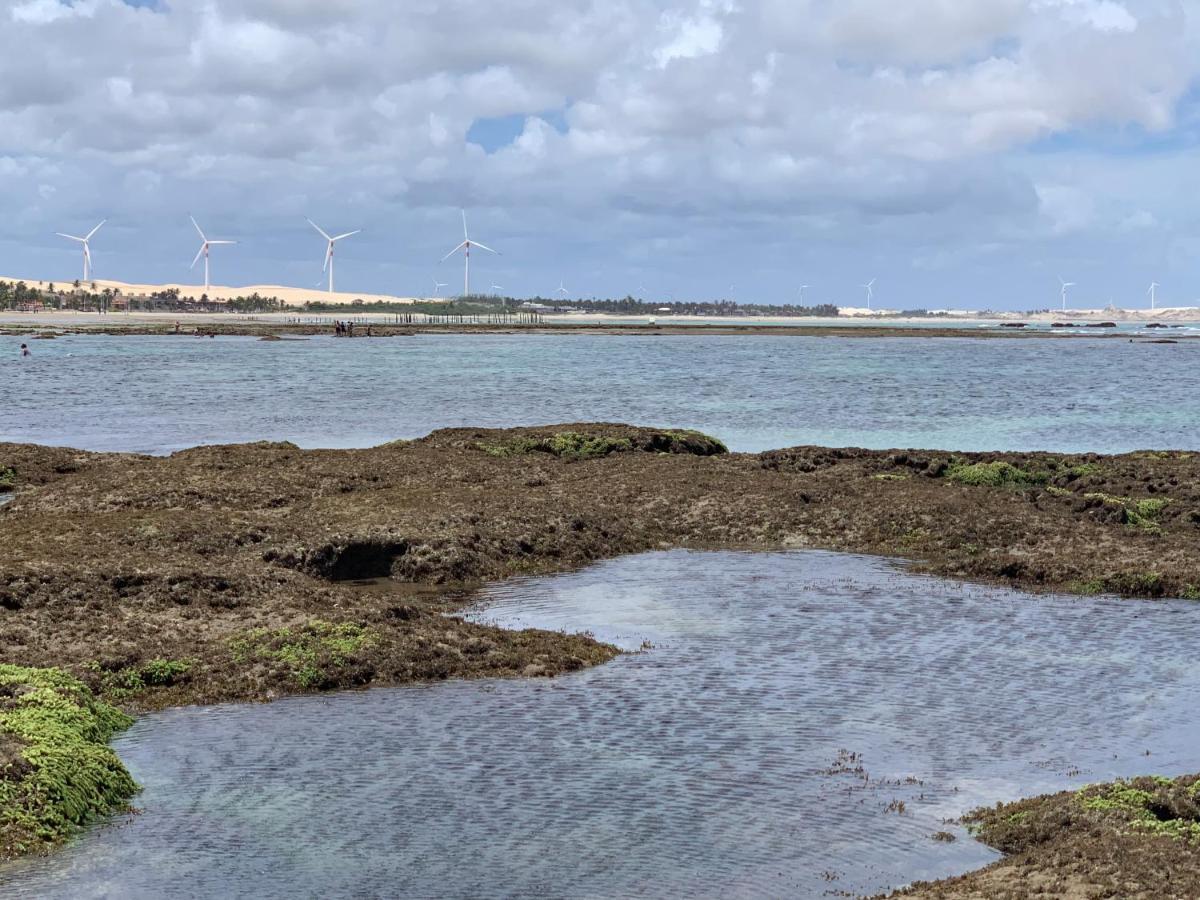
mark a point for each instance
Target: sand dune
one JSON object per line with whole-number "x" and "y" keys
{"x": 290, "y": 295}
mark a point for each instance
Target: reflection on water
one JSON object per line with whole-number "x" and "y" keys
{"x": 754, "y": 392}
{"x": 704, "y": 766}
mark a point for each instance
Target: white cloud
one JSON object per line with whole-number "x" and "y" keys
{"x": 842, "y": 121}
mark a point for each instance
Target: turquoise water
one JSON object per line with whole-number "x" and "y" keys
{"x": 711, "y": 765}
{"x": 157, "y": 395}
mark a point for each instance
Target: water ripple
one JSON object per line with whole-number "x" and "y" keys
{"x": 710, "y": 765}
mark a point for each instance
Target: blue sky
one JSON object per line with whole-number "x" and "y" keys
{"x": 963, "y": 154}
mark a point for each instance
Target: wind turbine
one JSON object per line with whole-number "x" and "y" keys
{"x": 466, "y": 246}
{"x": 437, "y": 287}
{"x": 1153, "y": 292}
{"x": 497, "y": 287}
{"x": 203, "y": 251}
{"x": 328, "y": 267}
{"x": 1065, "y": 286}
{"x": 803, "y": 288}
{"x": 870, "y": 286}
{"x": 562, "y": 290}
{"x": 87, "y": 250}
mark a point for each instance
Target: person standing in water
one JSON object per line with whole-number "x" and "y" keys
{"x": 25, "y": 350}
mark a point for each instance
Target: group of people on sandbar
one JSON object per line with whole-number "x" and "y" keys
{"x": 346, "y": 329}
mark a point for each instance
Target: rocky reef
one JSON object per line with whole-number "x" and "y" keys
{"x": 247, "y": 572}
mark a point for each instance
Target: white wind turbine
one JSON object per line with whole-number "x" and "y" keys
{"x": 803, "y": 288}
{"x": 466, "y": 246}
{"x": 87, "y": 249}
{"x": 328, "y": 267}
{"x": 1065, "y": 286}
{"x": 203, "y": 251}
{"x": 1153, "y": 292}
{"x": 562, "y": 290}
{"x": 437, "y": 287}
{"x": 497, "y": 287}
{"x": 870, "y": 286}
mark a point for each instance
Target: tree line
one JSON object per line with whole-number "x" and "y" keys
{"x": 90, "y": 298}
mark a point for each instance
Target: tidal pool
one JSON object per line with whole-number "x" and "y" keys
{"x": 714, "y": 763}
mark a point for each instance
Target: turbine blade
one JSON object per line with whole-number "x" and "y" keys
{"x": 198, "y": 230}
{"x": 328, "y": 256}
{"x": 346, "y": 235}
{"x": 464, "y": 215}
{"x": 455, "y": 250}
{"x": 221, "y": 242}
{"x": 485, "y": 247}
{"x": 199, "y": 253}
{"x": 97, "y": 228}
{"x": 71, "y": 237}
{"x": 316, "y": 226}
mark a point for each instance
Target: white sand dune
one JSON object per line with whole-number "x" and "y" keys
{"x": 290, "y": 295}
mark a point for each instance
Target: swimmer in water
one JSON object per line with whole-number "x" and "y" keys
{"x": 25, "y": 350}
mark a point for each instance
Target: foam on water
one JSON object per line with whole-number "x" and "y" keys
{"x": 702, "y": 767}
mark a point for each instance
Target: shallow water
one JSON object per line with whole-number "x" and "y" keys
{"x": 701, "y": 767}
{"x": 755, "y": 392}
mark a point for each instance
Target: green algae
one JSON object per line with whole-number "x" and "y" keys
{"x": 121, "y": 684}
{"x": 57, "y": 772}
{"x": 311, "y": 654}
{"x": 1149, "y": 806}
{"x": 8, "y": 478}
{"x": 994, "y": 474}
{"x": 1141, "y": 514}
{"x": 574, "y": 445}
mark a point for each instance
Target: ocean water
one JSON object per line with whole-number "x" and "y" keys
{"x": 756, "y": 392}
{"x": 715, "y": 764}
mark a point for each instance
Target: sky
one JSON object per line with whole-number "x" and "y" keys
{"x": 963, "y": 154}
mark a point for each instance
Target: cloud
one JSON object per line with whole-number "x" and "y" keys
{"x": 833, "y": 122}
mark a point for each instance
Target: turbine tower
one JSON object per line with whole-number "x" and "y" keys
{"x": 87, "y": 249}
{"x": 803, "y": 288}
{"x": 203, "y": 251}
{"x": 328, "y": 267}
{"x": 870, "y": 286}
{"x": 1065, "y": 286}
{"x": 466, "y": 246}
{"x": 1153, "y": 292}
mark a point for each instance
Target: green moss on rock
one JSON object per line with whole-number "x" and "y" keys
{"x": 994, "y": 474}
{"x": 1134, "y": 513}
{"x": 314, "y": 655}
{"x": 56, "y": 770}
{"x": 574, "y": 445}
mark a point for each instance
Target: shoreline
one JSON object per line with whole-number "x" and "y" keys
{"x": 249, "y": 572}
{"x": 269, "y": 330}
